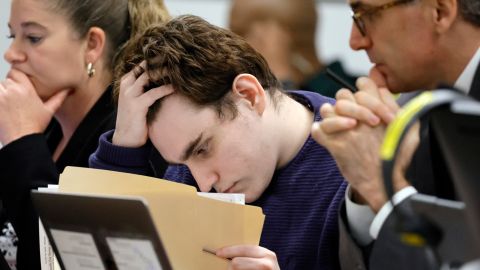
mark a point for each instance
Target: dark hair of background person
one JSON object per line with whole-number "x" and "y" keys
{"x": 470, "y": 11}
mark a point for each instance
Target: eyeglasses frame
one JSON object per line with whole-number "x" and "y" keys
{"x": 357, "y": 16}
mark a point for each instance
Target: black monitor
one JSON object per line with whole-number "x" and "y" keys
{"x": 100, "y": 231}
{"x": 457, "y": 129}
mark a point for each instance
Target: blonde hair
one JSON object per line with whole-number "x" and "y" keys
{"x": 121, "y": 20}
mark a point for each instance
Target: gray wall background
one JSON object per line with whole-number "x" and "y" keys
{"x": 4, "y": 42}
{"x": 332, "y": 37}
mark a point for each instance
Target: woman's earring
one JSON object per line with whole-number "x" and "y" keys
{"x": 90, "y": 70}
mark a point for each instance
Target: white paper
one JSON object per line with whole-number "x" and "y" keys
{"x": 133, "y": 254}
{"x": 238, "y": 198}
{"x": 77, "y": 250}
{"x": 48, "y": 261}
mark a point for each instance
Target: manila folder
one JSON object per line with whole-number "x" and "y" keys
{"x": 185, "y": 221}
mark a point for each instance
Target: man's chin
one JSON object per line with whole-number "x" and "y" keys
{"x": 398, "y": 87}
{"x": 383, "y": 78}
{"x": 395, "y": 88}
{"x": 378, "y": 75}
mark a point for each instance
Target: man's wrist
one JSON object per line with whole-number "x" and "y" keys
{"x": 374, "y": 197}
{"x": 357, "y": 197}
{"x": 119, "y": 139}
{"x": 387, "y": 208}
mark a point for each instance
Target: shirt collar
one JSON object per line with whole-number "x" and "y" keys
{"x": 464, "y": 82}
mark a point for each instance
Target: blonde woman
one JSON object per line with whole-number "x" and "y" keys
{"x": 56, "y": 99}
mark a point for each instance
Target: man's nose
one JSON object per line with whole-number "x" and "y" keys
{"x": 357, "y": 40}
{"x": 206, "y": 178}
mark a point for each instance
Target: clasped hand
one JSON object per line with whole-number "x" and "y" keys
{"x": 353, "y": 130}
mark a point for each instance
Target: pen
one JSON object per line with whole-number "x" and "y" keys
{"x": 211, "y": 251}
{"x": 341, "y": 81}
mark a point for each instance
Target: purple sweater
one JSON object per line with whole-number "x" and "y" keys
{"x": 301, "y": 203}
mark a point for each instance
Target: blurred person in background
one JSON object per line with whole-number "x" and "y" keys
{"x": 283, "y": 31}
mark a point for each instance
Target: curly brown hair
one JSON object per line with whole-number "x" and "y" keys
{"x": 199, "y": 60}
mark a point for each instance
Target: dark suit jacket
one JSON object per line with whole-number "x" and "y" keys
{"x": 429, "y": 175}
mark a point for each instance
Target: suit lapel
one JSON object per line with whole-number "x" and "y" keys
{"x": 475, "y": 88}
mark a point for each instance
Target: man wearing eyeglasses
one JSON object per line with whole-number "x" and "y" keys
{"x": 413, "y": 44}
{"x": 417, "y": 44}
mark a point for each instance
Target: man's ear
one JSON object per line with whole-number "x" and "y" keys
{"x": 96, "y": 42}
{"x": 246, "y": 88}
{"x": 446, "y": 12}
